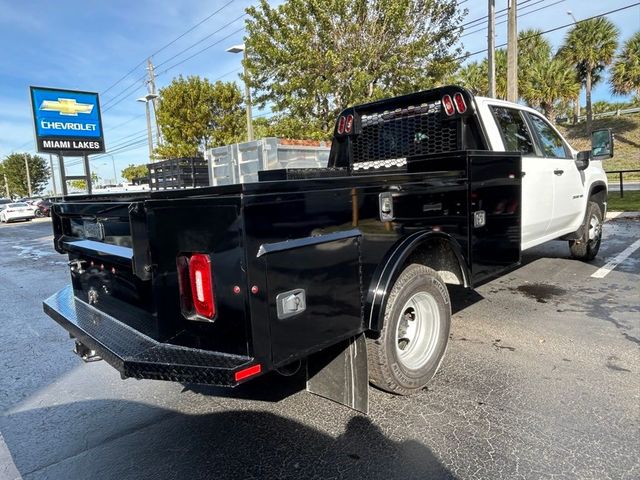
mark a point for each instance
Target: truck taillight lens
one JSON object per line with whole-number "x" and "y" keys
{"x": 195, "y": 281}
{"x": 461, "y": 105}
{"x": 341, "y": 124}
{"x": 202, "y": 285}
{"x": 348, "y": 124}
{"x": 447, "y": 104}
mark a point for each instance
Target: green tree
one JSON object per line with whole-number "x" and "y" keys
{"x": 195, "y": 114}
{"x": 310, "y": 58}
{"x": 591, "y": 44}
{"x": 625, "y": 72}
{"x": 475, "y": 76}
{"x": 549, "y": 83}
{"x": 545, "y": 80}
{"x": 135, "y": 171}
{"x": 13, "y": 166}
{"x": 81, "y": 184}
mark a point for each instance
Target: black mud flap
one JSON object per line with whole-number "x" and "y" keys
{"x": 340, "y": 373}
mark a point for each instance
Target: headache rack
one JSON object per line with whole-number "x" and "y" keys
{"x": 384, "y": 135}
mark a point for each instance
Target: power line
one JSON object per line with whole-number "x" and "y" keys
{"x": 200, "y": 41}
{"x": 201, "y": 51}
{"x": 135, "y": 117}
{"x": 482, "y": 29}
{"x": 477, "y": 52}
{"x": 189, "y": 30}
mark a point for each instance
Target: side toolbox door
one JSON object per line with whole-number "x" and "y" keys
{"x": 314, "y": 296}
{"x": 495, "y": 190}
{"x": 568, "y": 182}
{"x": 537, "y": 173}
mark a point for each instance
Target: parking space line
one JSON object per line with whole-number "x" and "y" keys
{"x": 615, "y": 261}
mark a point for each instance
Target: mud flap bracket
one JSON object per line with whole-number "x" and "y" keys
{"x": 340, "y": 373}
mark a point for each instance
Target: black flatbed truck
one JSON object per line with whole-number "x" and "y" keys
{"x": 342, "y": 270}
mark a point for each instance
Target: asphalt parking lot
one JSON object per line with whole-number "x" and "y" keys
{"x": 541, "y": 380}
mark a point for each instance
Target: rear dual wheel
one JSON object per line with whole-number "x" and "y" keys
{"x": 414, "y": 338}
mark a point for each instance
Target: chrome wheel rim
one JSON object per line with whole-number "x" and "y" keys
{"x": 595, "y": 228}
{"x": 417, "y": 330}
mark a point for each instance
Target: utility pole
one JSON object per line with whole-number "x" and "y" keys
{"x": 491, "y": 47}
{"x": 152, "y": 91}
{"x": 512, "y": 52}
{"x": 26, "y": 164}
{"x": 53, "y": 176}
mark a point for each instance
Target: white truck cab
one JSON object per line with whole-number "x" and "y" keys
{"x": 564, "y": 192}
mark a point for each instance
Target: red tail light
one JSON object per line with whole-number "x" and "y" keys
{"x": 202, "y": 285}
{"x": 447, "y": 104}
{"x": 196, "y": 286}
{"x": 461, "y": 105}
{"x": 348, "y": 125}
{"x": 341, "y": 124}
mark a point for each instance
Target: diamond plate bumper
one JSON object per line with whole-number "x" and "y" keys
{"x": 136, "y": 355}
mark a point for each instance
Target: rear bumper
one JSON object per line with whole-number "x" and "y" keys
{"x": 136, "y": 355}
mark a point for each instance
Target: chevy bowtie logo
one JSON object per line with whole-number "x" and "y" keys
{"x": 66, "y": 106}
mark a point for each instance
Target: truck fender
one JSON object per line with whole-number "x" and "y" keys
{"x": 390, "y": 268}
{"x": 598, "y": 193}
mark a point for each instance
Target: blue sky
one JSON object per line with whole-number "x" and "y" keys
{"x": 90, "y": 45}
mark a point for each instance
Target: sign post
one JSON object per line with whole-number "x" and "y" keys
{"x": 68, "y": 122}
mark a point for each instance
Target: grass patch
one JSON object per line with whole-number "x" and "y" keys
{"x": 629, "y": 203}
{"x": 626, "y": 129}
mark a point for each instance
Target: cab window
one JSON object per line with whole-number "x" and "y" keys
{"x": 513, "y": 129}
{"x": 550, "y": 142}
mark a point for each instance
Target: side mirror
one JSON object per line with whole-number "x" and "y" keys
{"x": 582, "y": 159}
{"x": 601, "y": 144}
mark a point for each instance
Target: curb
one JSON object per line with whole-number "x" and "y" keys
{"x": 619, "y": 215}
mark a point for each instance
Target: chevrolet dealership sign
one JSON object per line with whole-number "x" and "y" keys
{"x": 67, "y": 122}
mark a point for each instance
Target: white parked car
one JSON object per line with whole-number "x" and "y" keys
{"x": 16, "y": 211}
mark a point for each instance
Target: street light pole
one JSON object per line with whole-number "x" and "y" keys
{"x": 247, "y": 90}
{"x": 146, "y": 99}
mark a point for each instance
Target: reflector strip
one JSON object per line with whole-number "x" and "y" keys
{"x": 248, "y": 372}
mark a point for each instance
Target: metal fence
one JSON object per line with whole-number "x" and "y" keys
{"x": 621, "y": 178}
{"x": 613, "y": 113}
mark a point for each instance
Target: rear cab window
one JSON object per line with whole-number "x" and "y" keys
{"x": 513, "y": 130}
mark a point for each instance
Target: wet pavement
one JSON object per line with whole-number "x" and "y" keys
{"x": 541, "y": 380}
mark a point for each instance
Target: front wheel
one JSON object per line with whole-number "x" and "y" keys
{"x": 414, "y": 338}
{"x": 586, "y": 248}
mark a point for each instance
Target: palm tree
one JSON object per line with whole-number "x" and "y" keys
{"x": 625, "y": 72}
{"x": 473, "y": 77}
{"x": 592, "y": 43}
{"x": 549, "y": 81}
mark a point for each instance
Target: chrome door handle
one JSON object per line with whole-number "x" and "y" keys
{"x": 557, "y": 171}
